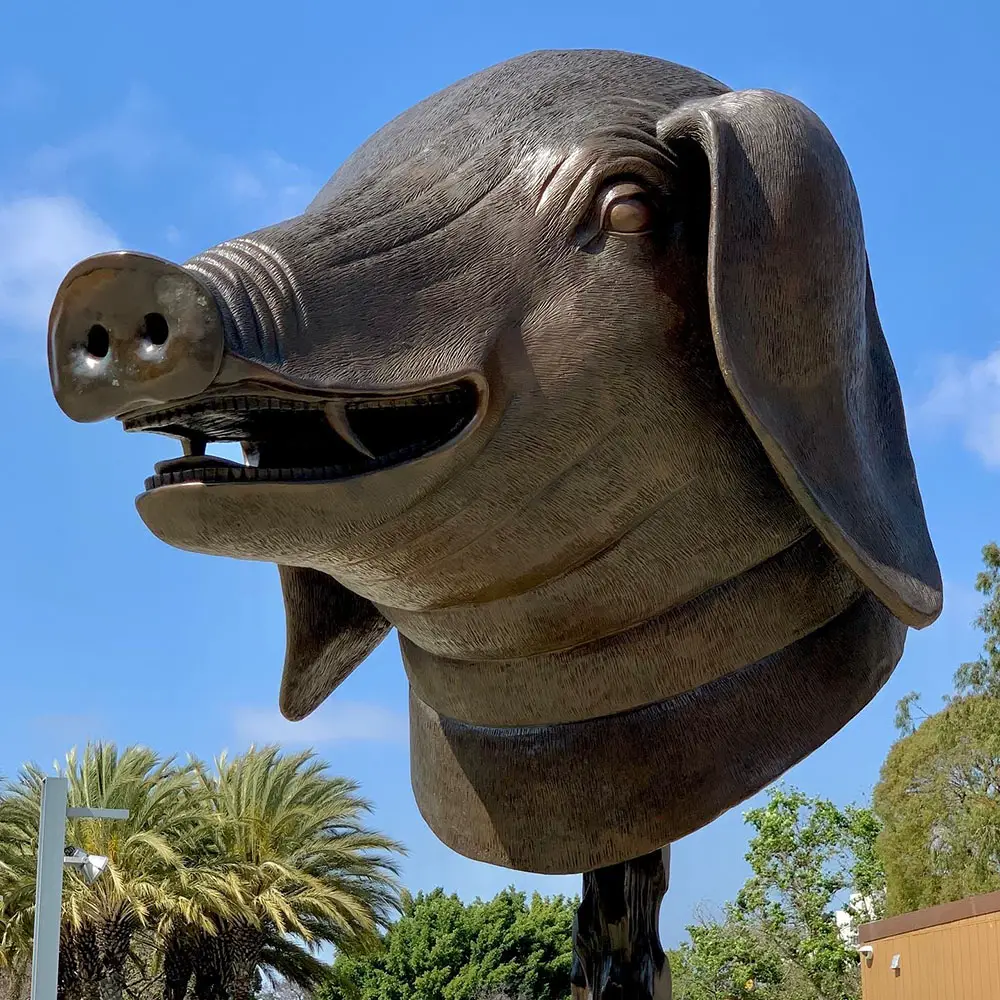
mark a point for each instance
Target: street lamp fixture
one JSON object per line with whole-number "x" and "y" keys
{"x": 90, "y": 865}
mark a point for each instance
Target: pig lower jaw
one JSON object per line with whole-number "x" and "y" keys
{"x": 220, "y": 471}
{"x": 297, "y": 440}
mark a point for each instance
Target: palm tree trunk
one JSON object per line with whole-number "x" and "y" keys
{"x": 210, "y": 967}
{"x": 178, "y": 964}
{"x": 79, "y": 965}
{"x": 243, "y": 946}
{"x": 112, "y": 984}
{"x": 14, "y": 982}
{"x": 114, "y": 940}
{"x": 68, "y": 977}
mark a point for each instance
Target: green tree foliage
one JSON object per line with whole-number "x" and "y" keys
{"x": 100, "y": 921}
{"x": 937, "y": 797}
{"x": 807, "y": 855}
{"x": 982, "y": 675}
{"x": 779, "y": 939}
{"x": 733, "y": 957}
{"x": 939, "y": 785}
{"x": 219, "y": 878}
{"x": 282, "y": 849}
{"x": 443, "y": 949}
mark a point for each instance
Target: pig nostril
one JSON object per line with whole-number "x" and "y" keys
{"x": 98, "y": 341}
{"x": 155, "y": 329}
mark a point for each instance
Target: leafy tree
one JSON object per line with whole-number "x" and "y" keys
{"x": 780, "y": 938}
{"x": 937, "y": 797}
{"x": 443, "y": 949}
{"x": 733, "y": 957}
{"x": 938, "y": 788}
{"x": 982, "y": 675}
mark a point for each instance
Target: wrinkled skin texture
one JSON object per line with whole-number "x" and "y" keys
{"x": 663, "y": 537}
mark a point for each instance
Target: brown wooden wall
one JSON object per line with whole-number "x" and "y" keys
{"x": 947, "y": 952}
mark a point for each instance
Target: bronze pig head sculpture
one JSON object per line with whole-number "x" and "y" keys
{"x": 573, "y": 375}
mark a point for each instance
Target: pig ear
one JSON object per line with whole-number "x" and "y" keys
{"x": 329, "y": 632}
{"x": 798, "y": 337}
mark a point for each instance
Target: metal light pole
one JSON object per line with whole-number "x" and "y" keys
{"x": 48, "y": 881}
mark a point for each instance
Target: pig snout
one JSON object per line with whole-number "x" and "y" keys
{"x": 129, "y": 330}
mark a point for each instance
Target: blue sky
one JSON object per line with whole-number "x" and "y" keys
{"x": 169, "y": 127}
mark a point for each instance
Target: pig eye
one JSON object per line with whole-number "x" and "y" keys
{"x": 625, "y": 209}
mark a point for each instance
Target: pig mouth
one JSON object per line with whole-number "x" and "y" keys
{"x": 305, "y": 439}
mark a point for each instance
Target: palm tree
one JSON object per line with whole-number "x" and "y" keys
{"x": 218, "y": 880}
{"x": 17, "y": 900}
{"x": 284, "y": 847}
{"x": 144, "y": 858}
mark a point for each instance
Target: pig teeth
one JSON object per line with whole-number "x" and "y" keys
{"x": 193, "y": 445}
{"x": 251, "y": 454}
{"x": 336, "y": 414}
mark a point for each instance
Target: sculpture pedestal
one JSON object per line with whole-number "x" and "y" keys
{"x": 616, "y": 941}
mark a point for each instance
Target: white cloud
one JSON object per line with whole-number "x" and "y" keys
{"x": 266, "y": 181}
{"x": 40, "y": 239}
{"x": 42, "y": 235}
{"x": 966, "y": 397}
{"x": 336, "y": 722}
{"x": 137, "y": 139}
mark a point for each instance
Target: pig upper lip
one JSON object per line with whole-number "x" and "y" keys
{"x": 306, "y": 439}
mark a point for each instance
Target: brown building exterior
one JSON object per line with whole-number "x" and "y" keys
{"x": 947, "y": 952}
